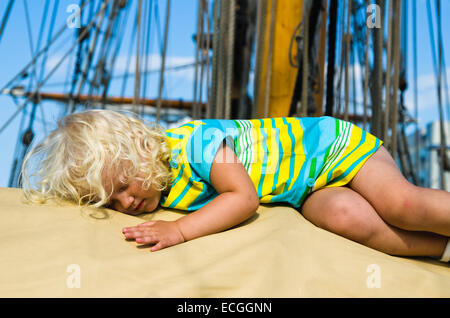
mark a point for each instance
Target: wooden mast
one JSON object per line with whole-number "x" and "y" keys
{"x": 275, "y": 78}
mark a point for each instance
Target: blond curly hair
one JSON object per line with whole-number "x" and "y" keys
{"x": 72, "y": 162}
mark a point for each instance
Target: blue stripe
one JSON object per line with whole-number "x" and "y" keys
{"x": 264, "y": 165}
{"x": 199, "y": 200}
{"x": 280, "y": 157}
{"x": 182, "y": 194}
{"x": 173, "y": 135}
{"x": 180, "y": 173}
{"x": 292, "y": 157}
{"x": 187, "y": 124}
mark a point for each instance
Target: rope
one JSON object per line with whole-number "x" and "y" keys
{"x": 348, "y": 45}
{"x": 437, "y": 70}
{"x": 100, "y": 79}
{"x": 230, "y": 56}
{"x": 269, "y": 58}
{"x": 40, "y": 84}
{"x": 208, "y": 61}
{"x": 341, "y": 67}
{"x": 396, "y": 62}
{"x": 33, "y": 60}
{"x": 118, "y": 34}
{"x": 214, "y": 79}
{"x": 30, "y": 39}
{"x": 353, "y": 63}
{"x": 163, "y": 63}
{"x": 331, "y": 58}
{"x": 366, "y": 77}
{"x": 260, "y": 21}
{"x": 195, "y": 113}
{"x": 5, "y": 17}
{"x": 34, "y": 70}
{"x": 147, "y": 49}
{"x": 443, "y": 74}
{"x": 376, "y": 90}
{"x": 416, "y": 99}
{"x": 125, "y": 76}
{"x": 204, "y": 52}
{"x": 41, "y": 29}
{"x": 221, "y": 59}
{"x": 137, "y": 77}
{"x": 443, "y": 153}
{"x": 302, "y": 109}
{"x": 388, "y": 77}
{"x": 90, "y": 53}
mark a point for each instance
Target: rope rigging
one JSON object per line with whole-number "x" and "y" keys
{"x": 363, "y": 76}
{"x": 5, "y": 17}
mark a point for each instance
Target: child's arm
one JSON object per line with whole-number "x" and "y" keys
{"x": 237, "y": 201}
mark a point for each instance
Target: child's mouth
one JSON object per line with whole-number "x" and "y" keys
{"x": 140, "y": 205}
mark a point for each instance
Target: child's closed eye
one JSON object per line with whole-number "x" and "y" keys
{"x": 122, "y": 188}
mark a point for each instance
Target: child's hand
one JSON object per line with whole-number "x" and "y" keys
{"x": 161, "y": 233}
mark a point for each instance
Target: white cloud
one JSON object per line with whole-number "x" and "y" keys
{"x": 427, "y": 97}
{"x": 427, "y": 93}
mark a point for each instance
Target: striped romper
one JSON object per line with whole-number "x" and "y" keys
{"x": 286, "y": 158}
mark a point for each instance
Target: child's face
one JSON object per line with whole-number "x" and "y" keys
{"x": 131, "y": 199}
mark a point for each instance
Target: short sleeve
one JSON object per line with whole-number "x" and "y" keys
{"x": 203, "y": 145}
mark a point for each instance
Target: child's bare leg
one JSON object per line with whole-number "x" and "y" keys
{"x": 399, "y": 202}
{"x": 344, "y": 212}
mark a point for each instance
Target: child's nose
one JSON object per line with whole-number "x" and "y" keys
{"x": 126, "y": 200}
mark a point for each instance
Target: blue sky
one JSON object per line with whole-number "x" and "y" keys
{"x": 15, "y": 53}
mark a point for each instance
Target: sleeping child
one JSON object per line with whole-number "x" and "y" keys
{"x": 337, "y": 175}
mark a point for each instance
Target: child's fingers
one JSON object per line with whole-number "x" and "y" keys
{"x": 147, "y": 223}
{"x": 131, "y": 234}
{"x": 139, "y": 226}
{"x": 157, "y": 247}
{"x": 143, "y": 236}
{"x": 137, "y": 233}
{"x": 149, "y": 239}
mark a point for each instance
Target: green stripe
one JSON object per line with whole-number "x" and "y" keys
{"x": 347, "y": 137}
{"x": 312, "y": 169}
{"x": 248, "y": 160}
{"x": 239, "y": 148}
{"x": 338, "y": 149}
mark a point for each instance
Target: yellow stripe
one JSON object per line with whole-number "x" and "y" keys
{"x": 179, "y": 186}
{"x": 337, "y": 170}
{"x": 355, "y": 139}
{"x": 283, "y": 170}
{"x": 322, "y": 179}
{"x": 350, "y": 176}
{"x": 257, "y": 160}
{"x": 299, "y": 151}
{"x": 364, "y": 148}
